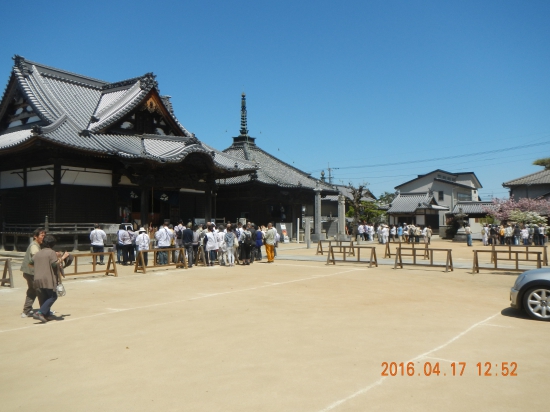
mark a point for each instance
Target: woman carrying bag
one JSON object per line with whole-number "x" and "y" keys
{"x": 48, "y": 269}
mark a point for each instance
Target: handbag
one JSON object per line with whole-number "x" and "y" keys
{"x": 61, "y": 290}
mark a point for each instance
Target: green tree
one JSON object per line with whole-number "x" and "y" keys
{"x": 368, "y": 211}
{"x": 355, "y": 201}
{"x": 543, "y": 162}
{"x": 386, "y": 198}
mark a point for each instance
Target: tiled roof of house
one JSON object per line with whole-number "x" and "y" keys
{"x": 471, "y": 208}
{"x": 272, "y": 171}
{"x": 537, "y": 178}
{"x": 410, "y": 202}
{"x": 76, "y": 110}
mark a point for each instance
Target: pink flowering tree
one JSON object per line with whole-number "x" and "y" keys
{"x": 506, "y": 209}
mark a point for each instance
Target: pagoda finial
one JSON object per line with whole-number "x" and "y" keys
{"x": 244, "y": 130}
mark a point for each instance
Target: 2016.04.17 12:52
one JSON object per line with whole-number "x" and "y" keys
{"x": 456, "y": 369}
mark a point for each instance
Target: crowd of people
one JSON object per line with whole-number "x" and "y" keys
{"x": 402, "y": 232}
{"x": 224, "y": 244}
{"x": 514, "y": 234}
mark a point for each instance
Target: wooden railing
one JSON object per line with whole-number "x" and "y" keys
{"x": 95, "y": 269}
{"x": 25, "y": 230}
{"x": 521, "y": 249}
{"x": 179, "y": 262}
{"x": 495, "y": 258}
{"x": 338, "y": 243}
{"x": 430, "y": 255}
{"x": 344, "y": 251}
{"x": 424, "y": 246}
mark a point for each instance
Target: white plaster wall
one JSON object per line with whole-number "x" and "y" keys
{"x": 8, "y": 179}
{"x": 124, "y": 180}
{"x": 419, "y": 185}
{"x": 86, "y": 177}
{"x": 466, "y": 180}
{"x": 37, "y": 176}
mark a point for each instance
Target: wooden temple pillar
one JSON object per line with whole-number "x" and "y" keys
{"x": 144, "y": 213}
{"x": 56, "y": 191}
{"x": 208, "y": 204}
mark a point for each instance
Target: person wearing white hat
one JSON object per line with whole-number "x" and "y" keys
{"x": 142, "y": 242}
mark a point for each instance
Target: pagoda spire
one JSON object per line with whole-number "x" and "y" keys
{"x": 244, "y": 130}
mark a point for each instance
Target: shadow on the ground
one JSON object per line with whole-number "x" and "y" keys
{"x": 514, "y": 313}
{"x": 53, "y": 318}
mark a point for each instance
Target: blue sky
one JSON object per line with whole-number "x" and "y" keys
{"x": 361, "y": 85}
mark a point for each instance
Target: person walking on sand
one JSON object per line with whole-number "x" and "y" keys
{"x": 270, "y": 235}
{"x": 28, "y": 272}
{"x": 468, "y": 235}
{"x": 47, "y": 275}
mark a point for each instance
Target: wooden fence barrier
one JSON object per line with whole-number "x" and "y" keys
{"x": 399, "y": 258}
{"x": 342, "y": 250}
{"x": 107, "y": 270}
{"x": 180, "y": 262}
{"x": 320, "y": 246}
{"x": 387, "y": 252}
{"x": 525, "y": 249}
{"x": 201, "y": 256}
{"x": 7, "y": 276}
{"x": 338, "y": 243}
{"x": 495, "y": 259}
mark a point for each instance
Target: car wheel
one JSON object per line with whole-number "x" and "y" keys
{"x": 536, "y": 303}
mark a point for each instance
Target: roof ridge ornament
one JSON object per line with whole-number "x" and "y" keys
{"x": 36, "y": 130}
{"x": 148, "y": 81}
{"x": 244, "y": 129}
{"x": 20, "y": 63}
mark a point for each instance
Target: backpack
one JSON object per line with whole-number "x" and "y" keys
{"x": 247, "y": 238}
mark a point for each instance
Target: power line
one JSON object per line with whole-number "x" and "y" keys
{"x": 445, "y": 158}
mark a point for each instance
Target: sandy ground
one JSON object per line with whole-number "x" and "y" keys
{"x": 296, "y": 335}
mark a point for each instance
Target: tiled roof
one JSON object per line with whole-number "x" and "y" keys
{"x": 14, "y": 139}
{"x": 471, "y": 207}
{"x": 117, "y": 108}
{"x": 538, "y": 178}
{"x": 67, "y": 101}
{"x": 272, "y": 171}
{"x": 410, "y": 202}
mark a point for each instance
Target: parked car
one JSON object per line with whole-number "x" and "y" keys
{"x": 531, "y": 293}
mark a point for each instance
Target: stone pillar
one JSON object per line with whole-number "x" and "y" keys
{"x": 307, "y": 230}
{"x": 342, "y": 218}
{"x": 317, "y": 232}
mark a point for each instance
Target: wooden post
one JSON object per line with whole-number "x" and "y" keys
{"x": 320, "y": 248}
{"x": 75, "y": 245}
{"x": 7, "y": 276}
{"x": 140, "y": 259}
{"x": 373, "y": 257}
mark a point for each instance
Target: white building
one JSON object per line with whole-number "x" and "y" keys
{"x": 427, "y": 199}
